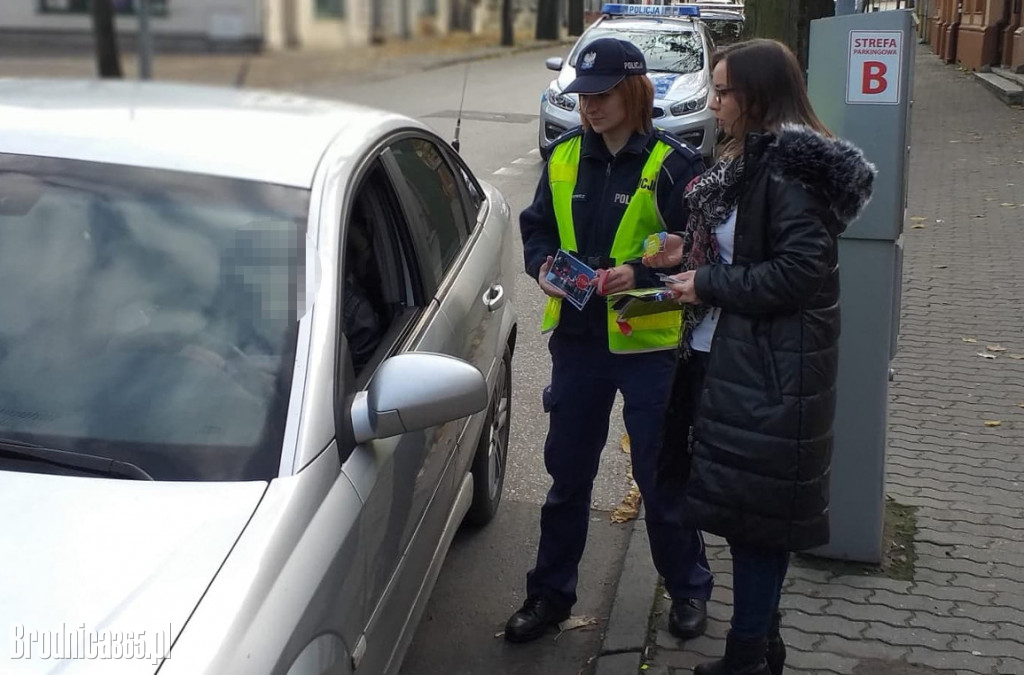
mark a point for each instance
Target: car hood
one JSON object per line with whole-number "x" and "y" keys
{"x": 668, "y": 87}
{"x": 100, "y": 556}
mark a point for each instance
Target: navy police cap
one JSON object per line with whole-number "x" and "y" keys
{"x": 603, "y": 64}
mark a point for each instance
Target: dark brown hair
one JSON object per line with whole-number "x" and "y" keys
{"x": 638, "y": 93}
{"x": 766, "y": 79}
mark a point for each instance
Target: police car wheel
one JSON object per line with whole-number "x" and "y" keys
{"x": 491, "y": 456}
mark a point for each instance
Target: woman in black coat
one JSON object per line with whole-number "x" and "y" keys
{"x": 749, "y": 424}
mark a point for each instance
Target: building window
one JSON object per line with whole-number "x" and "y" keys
{"x": 331, "y": 8}
{"x": 156, "y": 7}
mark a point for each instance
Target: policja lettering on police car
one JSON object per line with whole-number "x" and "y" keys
{"x": 606, "y": 187}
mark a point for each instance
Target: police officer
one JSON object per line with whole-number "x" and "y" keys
{"x": 608, "y": 185}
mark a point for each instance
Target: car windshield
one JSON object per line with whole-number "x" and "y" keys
{"x": 665, "y": 51}
{"x": 148, "y": 316}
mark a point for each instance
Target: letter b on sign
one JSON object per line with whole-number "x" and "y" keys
{"x": 873, "y": 80}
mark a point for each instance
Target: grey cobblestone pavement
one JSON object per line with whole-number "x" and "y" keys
{"x": 963, "y": 291}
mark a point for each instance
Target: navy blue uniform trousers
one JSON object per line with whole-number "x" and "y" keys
{"x": 584, "y": 379}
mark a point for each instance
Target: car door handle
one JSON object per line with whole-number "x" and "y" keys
{"x": 494, "y": 298}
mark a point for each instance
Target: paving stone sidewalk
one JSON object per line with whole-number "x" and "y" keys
{"x": 963, "y": 290}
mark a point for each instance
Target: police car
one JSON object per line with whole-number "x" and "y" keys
{"x": 678, "y": 49}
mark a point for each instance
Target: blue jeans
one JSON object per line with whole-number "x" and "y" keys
{"x": 758, "y": 575}
{"x": 584, "y": 379}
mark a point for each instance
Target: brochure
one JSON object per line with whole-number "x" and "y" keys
{"x": 572, "y": 276}
{"x": 643, "y": 301}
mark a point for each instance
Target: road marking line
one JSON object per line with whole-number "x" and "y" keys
{"x": 524, "y": 160}
{"x": 506, "y": 171}
{"x": 535, "y": 151}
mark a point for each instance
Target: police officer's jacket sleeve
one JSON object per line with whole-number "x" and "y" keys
{"x": 680, "y": 168}
{"x": 539, "y": 228}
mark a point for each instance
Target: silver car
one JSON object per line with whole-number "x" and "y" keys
{"x": 678, "y": 52}
{"x": 255, "y": 370}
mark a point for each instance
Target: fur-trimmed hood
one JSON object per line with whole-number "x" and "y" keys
{"x": 831, "y": 168}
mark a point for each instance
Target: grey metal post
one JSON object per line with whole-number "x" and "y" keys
{"x": 145, "y": 41}
{"x": 860, "y": 83}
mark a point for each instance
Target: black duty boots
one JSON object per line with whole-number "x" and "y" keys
{"x": 534, "y": 619}
{"x": 688, "y": 618}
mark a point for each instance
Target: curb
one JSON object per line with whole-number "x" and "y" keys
{"x": 625, "y": 638}
{"x": 497, "y": 52}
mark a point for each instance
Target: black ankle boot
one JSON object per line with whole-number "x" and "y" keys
{"x": 742, "y": 657}
{"x": 775, "y": 653}
{"x": 534, "y": 619}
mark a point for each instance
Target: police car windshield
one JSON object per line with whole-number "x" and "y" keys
{"x": 665, "y": 51}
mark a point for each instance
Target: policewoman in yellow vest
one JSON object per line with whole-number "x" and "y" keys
{"x": 606, "y": 186}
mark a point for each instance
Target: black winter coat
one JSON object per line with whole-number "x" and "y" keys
{"x": 762, "y": 431}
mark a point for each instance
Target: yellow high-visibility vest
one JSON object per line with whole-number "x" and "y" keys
{"x": 650, "y": 333}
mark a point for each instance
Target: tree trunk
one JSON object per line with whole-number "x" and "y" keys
{"x": 575, "y": 17}
{"x": 108, "y": 62}
{"x": 547, "y": 20}
{"x": 788, "y": 21}
{"x": 508, "y": 35}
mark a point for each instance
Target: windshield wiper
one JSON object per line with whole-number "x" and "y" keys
{"x": 94, "y": 464}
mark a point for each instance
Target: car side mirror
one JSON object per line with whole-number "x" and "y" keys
{"x": 555, "y": 63}
{"x": 410, "y": 392}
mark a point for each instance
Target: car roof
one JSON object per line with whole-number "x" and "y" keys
{"x": 723, "y": 14}
{"x": 238, "y": 133}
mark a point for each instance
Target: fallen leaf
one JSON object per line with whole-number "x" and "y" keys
{"x": 917, "y": 226}
{"x": 939, "y": 220}
{"x": 918, "y": 219}
{"x": 954, "y": 141}
{"x": 993, "y": 423}
{"x": 626, "y": 448}
{"x": 575, "y": 623}
{"x": 986, "y": 356}
{"x": 1016, "y": 357}
{"x": 996, "y": 348}
{"x": 629, "y": 509}
{"x": 941, "y": 267}
{"x": 1021, "y": 404}
{"x": 969, "y": 339}
{"x": 1009, "y": 204}
{"x": 500, "y": 635}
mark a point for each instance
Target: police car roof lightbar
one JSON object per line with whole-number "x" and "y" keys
{"x": 622, "y": 9}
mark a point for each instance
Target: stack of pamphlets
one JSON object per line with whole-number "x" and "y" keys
{"x": 571, "y": 275}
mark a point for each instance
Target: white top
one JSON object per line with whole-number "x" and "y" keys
{"x": 700, "y": 338}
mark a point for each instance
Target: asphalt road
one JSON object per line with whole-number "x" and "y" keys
{"x": 483, "y": 579}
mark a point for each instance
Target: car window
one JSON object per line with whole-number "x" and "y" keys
{"x": 437, "y": 215}
{"x": 665, "y": 51}
{"x": 149, "y": 316}
{"x": 724, "y": 30}
{"x": 381, "y": 279}
{"x": 474, "y": 193}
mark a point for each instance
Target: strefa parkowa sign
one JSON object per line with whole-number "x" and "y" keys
{"x": 875, "y": 63}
